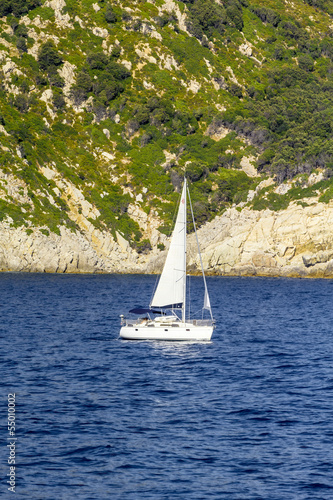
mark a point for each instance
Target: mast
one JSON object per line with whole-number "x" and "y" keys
{"x": 185, "y": 225}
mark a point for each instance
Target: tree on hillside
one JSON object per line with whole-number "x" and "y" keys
{"x": 110, "y": 15}
{"x": 48, "y": 55}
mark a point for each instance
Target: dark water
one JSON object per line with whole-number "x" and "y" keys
{"x": 247, "y": 416}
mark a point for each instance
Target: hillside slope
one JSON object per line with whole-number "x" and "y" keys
{"x": 105, "y": 106}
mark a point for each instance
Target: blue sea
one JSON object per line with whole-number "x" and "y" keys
{"x": 248, "y": 415}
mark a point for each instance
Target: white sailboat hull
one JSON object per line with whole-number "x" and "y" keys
{"x": 180, "y": 333}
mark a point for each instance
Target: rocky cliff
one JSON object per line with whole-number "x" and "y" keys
{"x": 296, "y": 242}
{"x": 70, "y": 252}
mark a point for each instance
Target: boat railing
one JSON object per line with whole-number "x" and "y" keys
{"x": 131, "y": 322}
{"x": 200, "y": 322}
{"x": 144, "y": 322}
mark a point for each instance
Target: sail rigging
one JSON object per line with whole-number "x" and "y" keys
{"x": 170, "y": 293}
{"x": 206, "y": 304}
{"x": 171, "y": 289}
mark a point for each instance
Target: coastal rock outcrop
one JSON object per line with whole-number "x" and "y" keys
{"x": 296, "y": 242}
{"x": 69, "y": 252}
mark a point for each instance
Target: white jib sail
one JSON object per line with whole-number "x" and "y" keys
{"x": 171, "y": 287}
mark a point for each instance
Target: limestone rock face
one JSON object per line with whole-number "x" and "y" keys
{"x": 245, "y": 49}
{"x": 67, "y": 72}
{"x": 172, "y": 7}
{"x": 57, "y": 5}
{"x": 69, "y": 252}
{"x": 297, "y": 242}
{"x": 293, "y": 242}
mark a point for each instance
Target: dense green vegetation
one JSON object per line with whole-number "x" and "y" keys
{"x": 207, "y": 18}
{"x": 17, "y": 7}
{"x": 290, "y": 118}
{"x": 163, "y": 99}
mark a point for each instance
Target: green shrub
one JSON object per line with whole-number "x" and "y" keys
{"x": 280, "y": 52}
{"x": 110, "y": 15}
{"x": 21, "y": 31}
{"x": 116, "y": 51}
{"x": 22, "y": 102}
{"x": 266, "y": 14}
{"x": 107, "y": 85}
{"x": 58, "y": 99}
{"x": 234, "y": 13}
{"x": 21, "y": 45}
{"x": 143, "y": 246}
{"x": 82, "y": 87}
{"x": 196, "y": 171}
{"x": 306, "y": 62}
{"x": 97, "y": 60}
{"x": 48, "y": 55}
{"x": 235, "y": 90}
{"x": 54, "y": 78}
{"x": 325, "y": 5}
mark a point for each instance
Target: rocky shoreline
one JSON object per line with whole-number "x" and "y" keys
{"x": 296, "y": 242}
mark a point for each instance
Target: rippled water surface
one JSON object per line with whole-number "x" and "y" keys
{"x": 246, "y": 416}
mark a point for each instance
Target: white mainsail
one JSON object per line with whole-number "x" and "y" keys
{"x": 171, "y": 288}
{"x": 206, "y": 300}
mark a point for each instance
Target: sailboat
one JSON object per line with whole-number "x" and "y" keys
{"x": 166, "y": 318}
